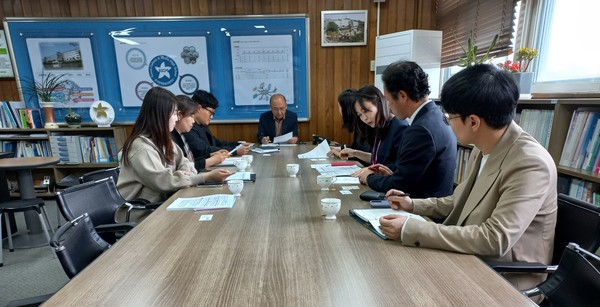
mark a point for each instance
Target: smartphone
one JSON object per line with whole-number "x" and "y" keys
{"x": 379, "y": 204}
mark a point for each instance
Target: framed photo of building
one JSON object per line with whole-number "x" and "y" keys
{"x": 344, "y": 28}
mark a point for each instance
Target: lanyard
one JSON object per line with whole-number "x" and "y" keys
{"x": 375, "y": 151}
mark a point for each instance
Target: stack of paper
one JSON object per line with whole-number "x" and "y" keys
{"x": 210, "y": 202}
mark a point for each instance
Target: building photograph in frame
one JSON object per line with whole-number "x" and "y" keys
{"x": 343, "y": 28}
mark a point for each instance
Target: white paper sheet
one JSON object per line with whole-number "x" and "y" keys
{"x": 240, "y": 176}
{"x": 319, "y": 152}
{"x": 217, "y": 201}
{"x": 346, "y": 180}
{"x": 283, "y": 138}
{"x": 327, "y": 169}
{"x": 228, "y": 161}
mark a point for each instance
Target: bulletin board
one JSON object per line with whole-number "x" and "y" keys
{"x": 242, "y": 60}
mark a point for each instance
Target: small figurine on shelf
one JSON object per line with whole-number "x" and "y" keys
{"x": 102, "y": 113}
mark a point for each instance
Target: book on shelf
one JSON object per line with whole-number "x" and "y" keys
{"x": 538, "y": 123}
{"x": 579, "y": 150}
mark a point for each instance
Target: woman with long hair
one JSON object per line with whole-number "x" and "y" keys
{"x": 152, "y": 166}
{"x": 346, "y": 101}
{"x": 380, "y": 128}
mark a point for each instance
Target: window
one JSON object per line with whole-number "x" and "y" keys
{"x": 567, "y": 39}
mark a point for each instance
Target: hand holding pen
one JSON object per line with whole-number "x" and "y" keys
{"x": 399, "y": 200}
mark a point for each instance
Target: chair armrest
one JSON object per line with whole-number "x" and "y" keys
{"x": 520, "y": 267}
{"x": 119, "y": 227}
{"x": 139, "y": 204}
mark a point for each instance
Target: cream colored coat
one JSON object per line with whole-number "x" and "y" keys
{"x": 507, "y": 214}
{"x": 148, "y": 178}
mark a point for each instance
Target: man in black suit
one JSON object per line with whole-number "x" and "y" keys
{"x": 278, "y": 121}
{"x": 201, "y": 141}
{"x": 427, "y": 154}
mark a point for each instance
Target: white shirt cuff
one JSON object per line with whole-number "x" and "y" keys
{"x": 402, "y": 230}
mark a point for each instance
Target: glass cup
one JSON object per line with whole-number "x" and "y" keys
{"x": 330, "y": 206}
{"x": 241, "y": 164}
{"x": 292, "y": 169}
{"x": 235, "y": 186}
{"x": 248, "y": 158}
{"x": 325, "y": 181}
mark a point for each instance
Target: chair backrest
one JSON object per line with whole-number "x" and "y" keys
{"x": 576, "y": 282}
{"x": 77, "y": 244}
{"x": 578, "y": 222}
{"x": 101, "y": 174}
{"x": 100, "y": 199}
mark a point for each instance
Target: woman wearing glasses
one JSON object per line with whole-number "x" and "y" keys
{"x": 152, "y": 166}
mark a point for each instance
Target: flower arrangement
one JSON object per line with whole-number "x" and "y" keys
{"x": 470, "y": 57}
{"x": 522, "y": 58}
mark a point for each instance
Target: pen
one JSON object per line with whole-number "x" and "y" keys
{"x": 401, "y": 194}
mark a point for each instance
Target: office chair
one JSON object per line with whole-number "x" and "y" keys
{"x": 576, "y": 282}
{"x": 101, "y": 174}
{"x": 101, "y": 200}
{"x": 21, "y": 205}
{"x": 76, "y": 244}
{"x": 576, "y": 221}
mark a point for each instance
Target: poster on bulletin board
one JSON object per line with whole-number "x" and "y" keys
{"x": 178, "y": 64}
{"x": 71, "y": 57}
{"x": 6, "y": 70}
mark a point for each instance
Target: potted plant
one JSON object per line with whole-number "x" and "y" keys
{"x": 518, "y": 70}
{"x": 470, "y": 57}
{"x": 44, "y": 89}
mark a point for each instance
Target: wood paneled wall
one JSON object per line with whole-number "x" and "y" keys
{"x": 332, "y": 69}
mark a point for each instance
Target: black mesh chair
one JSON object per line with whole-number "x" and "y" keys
{"x": 101, "y": 174}
{"x": 77, "y": 244}
{"x": 21, "y": 205}
{"x": 101, "y": 200}
{"x": 576, "y": 282}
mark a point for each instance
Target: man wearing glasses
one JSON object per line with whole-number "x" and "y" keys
{"x": 201, "y": 141}
{"x": 427, "y": 155}
{"x": 505, "y": 210}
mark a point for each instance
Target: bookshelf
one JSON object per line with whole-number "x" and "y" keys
{"x": 563, "y": 110}
{"x": 40, "y": 140}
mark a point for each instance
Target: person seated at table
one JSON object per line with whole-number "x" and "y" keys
{"x": 346, "y": 101}
{"x": 186, "y": 110}
{"x": 201, "y": 141}
{"x": 381, "y": 129}
{"x": 506, "y": 208}
{"x": 152, "y": 166}
{"x": 279, "y": 121}
{"x": 427, "y": 156}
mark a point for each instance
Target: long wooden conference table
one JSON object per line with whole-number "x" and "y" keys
{"x": 274, "y": 248}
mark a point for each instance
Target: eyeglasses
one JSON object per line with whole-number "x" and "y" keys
{"x": 212, "y": 112}
{"x": 447, "y": 118}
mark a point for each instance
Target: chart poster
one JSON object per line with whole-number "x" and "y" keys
{"x": 178, "y": 64}
{"x": 6, "y": 70}
{"x": 262, "y": 66}
{"x": 71, "y": 57}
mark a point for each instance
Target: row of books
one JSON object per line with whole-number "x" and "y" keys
{"x": 75, "y": 149}
{"x": 538, "y": 123}
{"x": 582, "y": 145}
{"x": 580, "y": 189}
{"x": 14, "y": 115}
{"x": 27, "y": 149}
{"x": 462, "y": 157}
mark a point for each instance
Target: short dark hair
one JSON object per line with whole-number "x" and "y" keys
{"x": 481, "y": 90}
{"x": 406, "y": 76}
{"x": 346, "y": 101}
{"x": 205, "y": 99}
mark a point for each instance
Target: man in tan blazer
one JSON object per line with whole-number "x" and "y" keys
{"x": 506, "y": 208}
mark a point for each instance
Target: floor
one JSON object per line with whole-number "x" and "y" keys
{"x": 29, "y": 272}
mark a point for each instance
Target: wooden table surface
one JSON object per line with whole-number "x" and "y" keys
{"x": 275, "y": 249}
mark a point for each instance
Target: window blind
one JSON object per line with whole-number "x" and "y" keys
{"x": 457, "y": 19}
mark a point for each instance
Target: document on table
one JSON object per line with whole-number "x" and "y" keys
{"x": 236, "y": 148}
{"x": 209, "y": 202}
{"x": 246, "y": 176}
{"x": 265, "y": 149}
{"x": 370, "y": 218}
{"x": 283, "y": 138}
{"x": 228, "y": 161}
{"x": 318, "y": 152}
{"x": 346, "y": 180}
{"x": 336, "y": 171}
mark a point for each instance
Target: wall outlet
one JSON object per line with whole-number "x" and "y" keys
{"x": 372, "y": 65}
